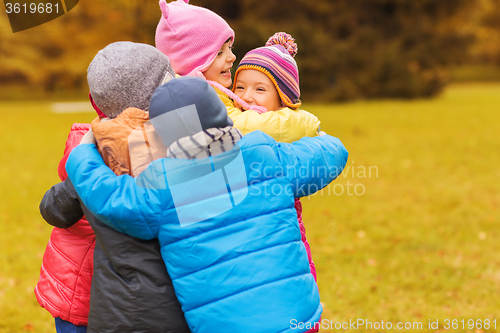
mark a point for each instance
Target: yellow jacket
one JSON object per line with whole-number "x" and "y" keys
{"x": 284, "y": 125}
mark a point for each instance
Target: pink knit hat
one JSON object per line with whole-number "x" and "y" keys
{"x": 190, "y": 36}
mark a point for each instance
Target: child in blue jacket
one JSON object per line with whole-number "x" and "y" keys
{"x": 222, "y": 207}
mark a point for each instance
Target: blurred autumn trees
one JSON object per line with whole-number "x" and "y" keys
{"x": 365, "y": 48}
{"x": 348, "y": 49}
{"x": 53, "y": 58}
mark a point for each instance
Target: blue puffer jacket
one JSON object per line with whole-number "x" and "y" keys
{"x": 244, "y": 270}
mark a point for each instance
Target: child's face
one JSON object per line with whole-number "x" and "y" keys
{"x": 256, "y": 88}
{"x": 220, "y": 70}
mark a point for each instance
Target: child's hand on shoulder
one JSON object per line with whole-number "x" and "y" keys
{"x": 88, "y": 138}
{"x": 237, "y": 105}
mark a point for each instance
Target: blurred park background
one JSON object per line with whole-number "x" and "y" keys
{"x": 347, "y": 49}
{"x": 408, "y": 233}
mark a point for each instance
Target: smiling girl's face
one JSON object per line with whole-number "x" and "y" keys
{"x": 220, "y": 70}
{"x": 256, "y": 88}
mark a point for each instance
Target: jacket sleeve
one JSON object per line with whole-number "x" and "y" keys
{"x": 60, "y": 206}
{"x": 284, "y": 125}
{"x": 115, "y": 200}
{"x": 312, "y": 163}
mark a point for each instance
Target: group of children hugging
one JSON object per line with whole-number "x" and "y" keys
{"x": 121, "y": 257}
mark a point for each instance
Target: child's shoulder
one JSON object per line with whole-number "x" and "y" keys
{"x": 75, "y": 135}
{"x": 228, "y": 102}
{"x": 77, "y": 131}
{"x": 293, "y": 125}
{"x": 260, "y": 139}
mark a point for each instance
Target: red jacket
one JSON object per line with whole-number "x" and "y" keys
{"x": 66, "y": 273}
{"x": 298, "y": 208}
{"x": 312, "y": 267}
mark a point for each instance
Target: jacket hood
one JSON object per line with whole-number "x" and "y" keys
{"x": 186, "y": 106}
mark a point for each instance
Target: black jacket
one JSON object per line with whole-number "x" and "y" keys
{"x": 131, "y": 289}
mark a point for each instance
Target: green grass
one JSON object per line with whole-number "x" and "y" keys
{"x": 421, "y": 242}
{"x": 32, "y": 142}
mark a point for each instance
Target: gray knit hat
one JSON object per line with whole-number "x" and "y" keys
{"x": 125, "y": 74}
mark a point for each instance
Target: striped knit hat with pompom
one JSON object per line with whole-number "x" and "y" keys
{"x": 276, "y": 61}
